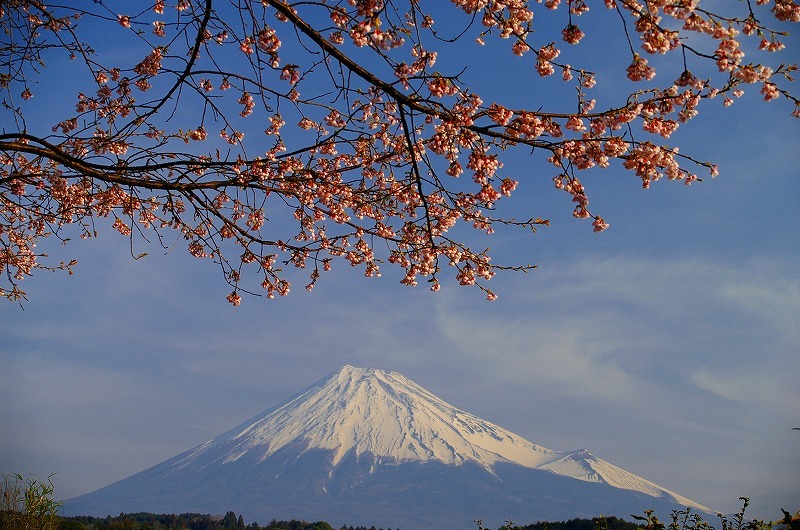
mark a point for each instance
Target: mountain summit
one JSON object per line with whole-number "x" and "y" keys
{"x": 373, "y": 447}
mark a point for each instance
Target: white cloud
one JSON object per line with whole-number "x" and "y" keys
{"x": 566, "y": 355}
{"x": 614, "y": 328}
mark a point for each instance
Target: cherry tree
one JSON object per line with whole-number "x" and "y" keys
{"x": 275, "y": 135}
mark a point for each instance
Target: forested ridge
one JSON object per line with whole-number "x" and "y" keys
{"x": 194, "y": 521}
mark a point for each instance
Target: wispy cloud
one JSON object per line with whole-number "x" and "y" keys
{"x": 611, "y": 328}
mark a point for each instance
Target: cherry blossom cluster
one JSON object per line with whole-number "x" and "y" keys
{"x": 338, "y": 139}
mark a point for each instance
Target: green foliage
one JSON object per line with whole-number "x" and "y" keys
{"x": 791, "y": 522}
{"x": 686, "y": 520}
{"x": 680, "y": 520}
{"x": 598, "y": 523}
{"x": 229, "y": 522}
{"x": 27, "y": 503}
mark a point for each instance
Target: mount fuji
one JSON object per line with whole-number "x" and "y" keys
{"x": 365, "y": 446}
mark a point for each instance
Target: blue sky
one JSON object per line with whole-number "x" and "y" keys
{"x": 667, "y": 345}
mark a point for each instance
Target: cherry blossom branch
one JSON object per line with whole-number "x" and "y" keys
{"x": 382, "y": 156}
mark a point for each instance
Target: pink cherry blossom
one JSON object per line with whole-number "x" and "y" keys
{"x": 383, "y": 143}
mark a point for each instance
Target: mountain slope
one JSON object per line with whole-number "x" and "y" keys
{"x": 368, "y": 443}
{"x": 381, "y": 413}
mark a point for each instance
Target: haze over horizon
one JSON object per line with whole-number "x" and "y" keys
{"x": 668, "y": 344}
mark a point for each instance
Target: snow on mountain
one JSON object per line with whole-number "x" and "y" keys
{"x": 583, "y": 465}
{"x": 392, "y": 419}
{"x": 380, "y": 413}
{"x": 370, "y": 447}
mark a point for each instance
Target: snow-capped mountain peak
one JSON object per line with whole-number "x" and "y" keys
{"x": 389, "y": 418}
{"x": 372, "y": 447}
{"x": 385, "y": 415}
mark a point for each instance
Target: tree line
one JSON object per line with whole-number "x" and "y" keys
{"x": 190, "y": 521}
{"x": 195, "y": 521}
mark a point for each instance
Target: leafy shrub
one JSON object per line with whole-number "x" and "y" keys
{"x": 680, "y": 520}
{"x": 27, "y": 503}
